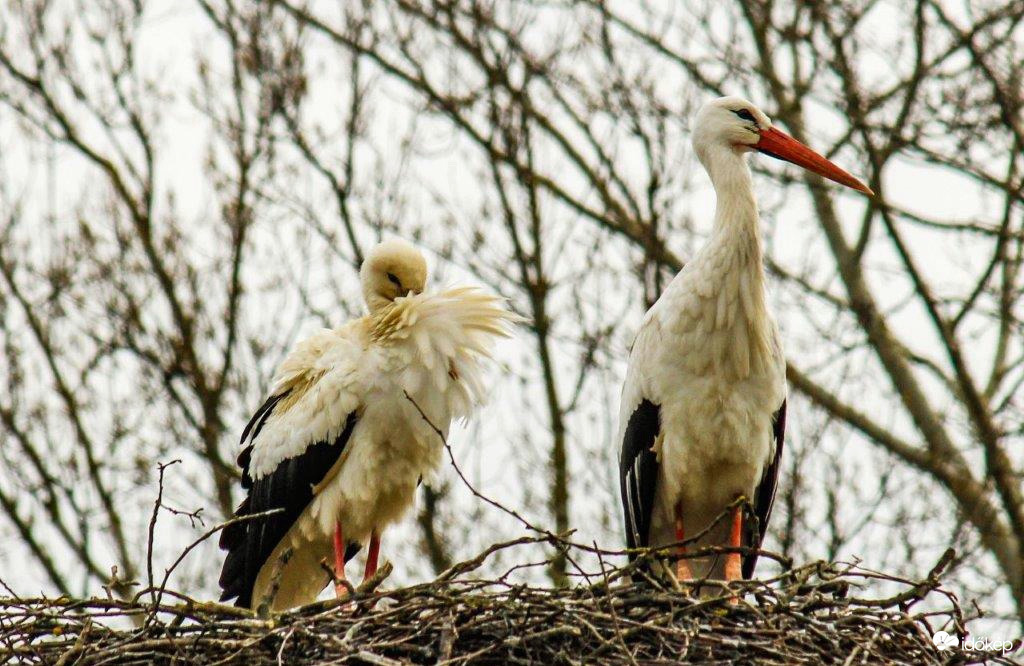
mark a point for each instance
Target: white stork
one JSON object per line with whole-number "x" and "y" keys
{"x": 341, "y": 444}
{"x": 703, "y": 408}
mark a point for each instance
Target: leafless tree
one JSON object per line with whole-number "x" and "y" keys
{"x": 541, "y": 148}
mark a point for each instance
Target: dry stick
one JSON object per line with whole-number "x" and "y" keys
{"x": 918, "y": 589}
{"x": 335, "y": 580}
{"x": 152, "y": 524}
{"x": 78, "y": 648}
{"x": 469, "y": 565}
{"x": 373, "y": 582}
{"x": 611, "y": 609}
{"x": 444, "y": 440}
{"x": 365, "y": 588}
{"x": 564, "y": 544}
{"x": 669, "y": 550}
{"x": 447, "y": 640}
{"x": 263, "y": 608}
{"x": 167, "y": 572}
{"x": 558, "y": 541}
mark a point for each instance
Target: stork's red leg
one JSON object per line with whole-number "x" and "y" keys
{"x": 683, "y": 571}
{"x": 339, "y": 561}
{"x": 733, "y": 561}
{"x": 371, "y": 556}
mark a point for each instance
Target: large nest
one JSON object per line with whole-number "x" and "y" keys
{"x": 814, "y": 614}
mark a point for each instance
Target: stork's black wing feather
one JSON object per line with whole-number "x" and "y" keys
{"x": 289, "y": 489}
{"x": 764, "y": 496}
{"x": 638, "y": 472}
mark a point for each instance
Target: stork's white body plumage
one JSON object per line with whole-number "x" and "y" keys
{"x": 703, "y": 407}
{"x": 345, "y": 420}
{"x": 709, "y": 353}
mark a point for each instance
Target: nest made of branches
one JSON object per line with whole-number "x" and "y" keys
{"x": 813, "y": 614}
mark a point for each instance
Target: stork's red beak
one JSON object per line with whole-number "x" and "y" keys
{"x": 778, "y": 144}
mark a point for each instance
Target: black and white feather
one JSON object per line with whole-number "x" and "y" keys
{"x": 342, "y": 437}
{"x": 702, "y": 415}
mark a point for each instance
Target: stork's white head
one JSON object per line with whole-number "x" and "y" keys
{"x": 735, "y": 124}
{"x": 730, "y": 122}
{"x": 393, "y": 268}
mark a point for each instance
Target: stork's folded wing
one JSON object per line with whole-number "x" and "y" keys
{"x": 638, "y": 472}
{"x": 286, "y": 491}
{"x": 764, "y": 495}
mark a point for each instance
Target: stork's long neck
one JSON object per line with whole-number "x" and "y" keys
{"x": 733, "y": 262}
{"x": 737, "y": 227}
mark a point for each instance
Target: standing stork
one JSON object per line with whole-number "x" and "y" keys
{"x": 344, "y": 438}
{"x": 703, "y": 408}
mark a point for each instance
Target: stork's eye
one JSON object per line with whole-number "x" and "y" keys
{"x": 745, "y": 114}
{"x": 394, "y": 280}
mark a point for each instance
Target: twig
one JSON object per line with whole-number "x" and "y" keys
{"x": 267, "y": 601}
{"x": 152, "y": 522}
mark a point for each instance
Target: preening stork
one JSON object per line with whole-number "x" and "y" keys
{"x": 341, "y": 444}
{"x": 703, "y": 408}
